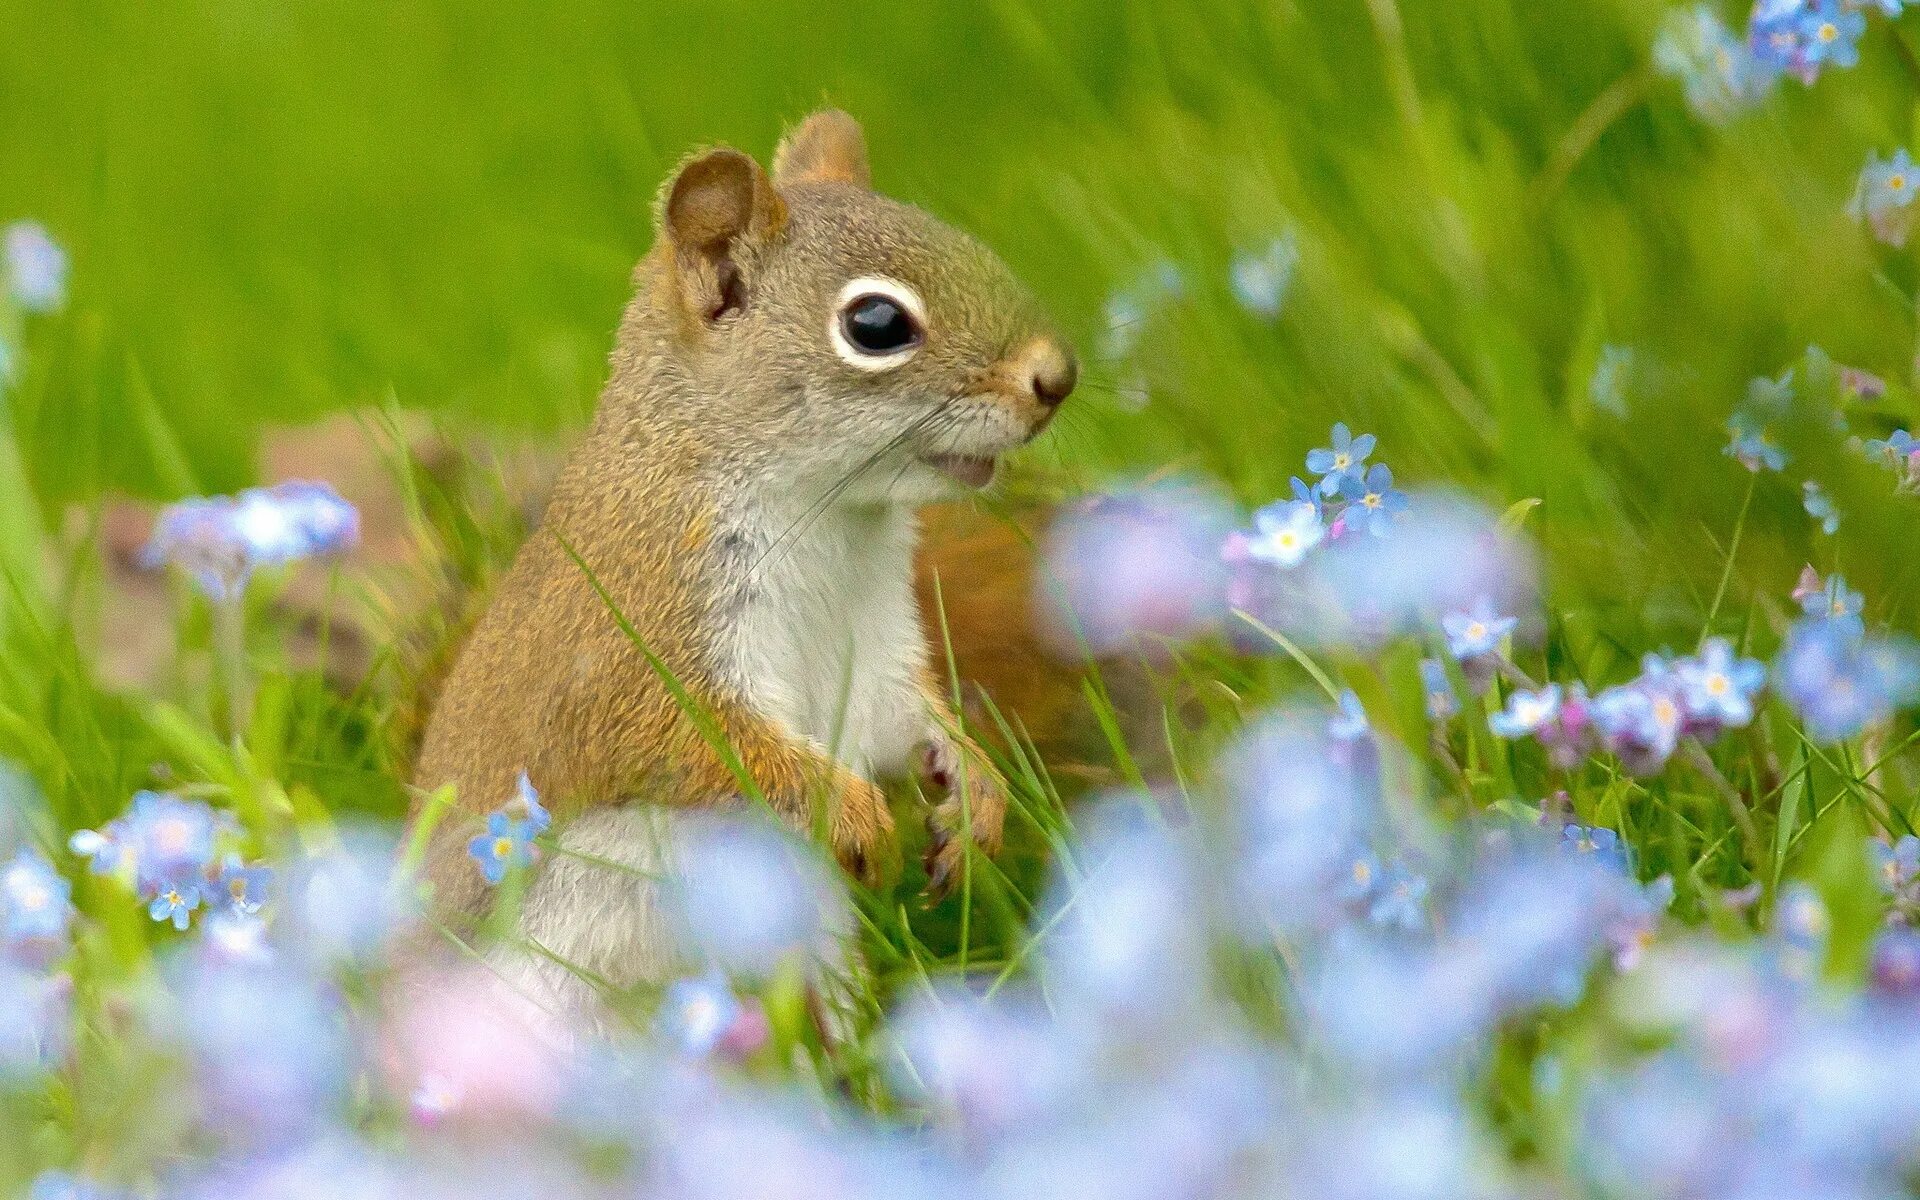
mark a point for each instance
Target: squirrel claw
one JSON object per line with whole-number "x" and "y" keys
{"x": 939, "y": 862}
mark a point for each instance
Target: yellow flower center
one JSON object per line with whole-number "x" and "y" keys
{"x": 502, "y": 847}
{"x": 1371, "y": 500}
{"x": 1665, "y": 712}
{"x": 1717, "y": 685}
{"x": 1342, "y": 461}
{"x": 1476, "y": 631}
{"x": 1828, "y": 31}
{"x": 1898, "y": 183}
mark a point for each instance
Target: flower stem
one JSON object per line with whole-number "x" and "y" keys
{"x": 230, "y": 660}
{"x": 1701, "y": 761}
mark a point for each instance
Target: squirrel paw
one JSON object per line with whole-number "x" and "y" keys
{"x": 862, "y": 831}
{"x": 980, "y": 806}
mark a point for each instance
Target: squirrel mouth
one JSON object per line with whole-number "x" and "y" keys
{"x": 975, "y": 471}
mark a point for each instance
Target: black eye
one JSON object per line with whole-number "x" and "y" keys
{"x": 876, "y": 324}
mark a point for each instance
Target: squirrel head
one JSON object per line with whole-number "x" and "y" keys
{"x": 835, "y": 337}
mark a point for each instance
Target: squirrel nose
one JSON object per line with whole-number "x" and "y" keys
{"x": 1054, "y": 374}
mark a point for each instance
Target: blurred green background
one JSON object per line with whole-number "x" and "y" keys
{"x": 279, "y": 210}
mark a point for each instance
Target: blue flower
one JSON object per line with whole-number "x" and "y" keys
{"x": 1833, "y": 601}
{"x": 36, "y": 267}
{"x": 1357, "y": 882}
{"x": 1719, "y": 687}
{"x": 1284, "y": 532}
{"x": 1641, "y": 722}
{"x": 1717, "y": 71}
{"x": 1898, "y": 450}
{"x": 175, "y": 901}
{"x": 525, "y": 806}
{"x": 1603, "y": 844}
{"x": 1896, "y": 866}
{"x": 1261, "y": 278}
{"x": 696, "y": 1014}
{"x": 1830, "y": 34}
{"x": 1526, "y": 712}
{"x": 221, "y": 541}
{"x": 1400, "y": 900}
{"x": 1442, "y": 702}
{"x": 35, "y": 904}
{"x": 1896, "y": 963}
{"x": 1476, "y": 632}
{"x": 1349, "y": 724}
{"x": 1774, "y": 36}
{"x": 1887, "y": 184}
{"x": 1839, "y": 681}
{"x": 1344, "y": 457}
{"x": 1752, "y": 444}
{"x": 507, "y": 844}
{"x": 746, "y": 897}
{"x": 1611, "y": 376}
{"x": 1372, "y": 500}
{"x": 169, "y": 838}
{"x": 1800, "y": 917}
{"x": 1819, "y": 506}
{"x": 242, "y": 888}
{"x": 105, "y": 849}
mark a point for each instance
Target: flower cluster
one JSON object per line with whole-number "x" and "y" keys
{"x": 1724, "y": 75}
{"x": 1716, "y": 68}
{"x": 178, "y": 855}
{"x": 1837, "y": 677}
{"x": 1803, "y": 37}
{"x": 1347, "y": 495}
{"x": 1640, "y": 722}
{"x": 221, "y": 541}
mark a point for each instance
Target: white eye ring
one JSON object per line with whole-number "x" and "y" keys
{"x": 874, "y": 285}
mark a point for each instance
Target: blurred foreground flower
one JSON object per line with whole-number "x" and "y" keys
{"x": 748, "y": 898}
{"x": 1262, "y": 277}
{"x": 36, "y": 267}
{"x": 1134, "y": 570}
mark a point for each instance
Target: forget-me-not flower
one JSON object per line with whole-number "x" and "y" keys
{"x": 1477, "y": 631}
{"x": 1718, "y": 685}
{"x": 1526, "y": 712}
{"x": 1345, "y": 457}
{"x": 1284, "y": 532}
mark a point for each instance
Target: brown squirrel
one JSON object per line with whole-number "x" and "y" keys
{"x": 803, "y": 365}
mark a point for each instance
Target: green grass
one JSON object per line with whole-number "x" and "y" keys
{"x": 279, "y": 212}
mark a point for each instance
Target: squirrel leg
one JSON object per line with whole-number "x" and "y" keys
{"x": 975, "y": 808}
{"x": 797, "y": 778}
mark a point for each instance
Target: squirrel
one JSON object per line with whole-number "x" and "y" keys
{"x": 804, "y": 364}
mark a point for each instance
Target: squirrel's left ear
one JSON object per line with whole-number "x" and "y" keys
{"x": 719, "y": 204}
{"x": 827, "y": 147}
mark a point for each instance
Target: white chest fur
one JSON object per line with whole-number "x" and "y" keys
{"x": 826, "y": 638}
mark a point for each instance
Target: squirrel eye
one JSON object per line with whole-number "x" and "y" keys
{"x": 878, "y": 325}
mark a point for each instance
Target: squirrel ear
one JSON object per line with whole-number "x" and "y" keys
{"x": 718, "y": 200}
{"x": 827, "y": 147}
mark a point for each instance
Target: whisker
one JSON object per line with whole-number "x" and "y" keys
{"x": 819, "y": 507}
